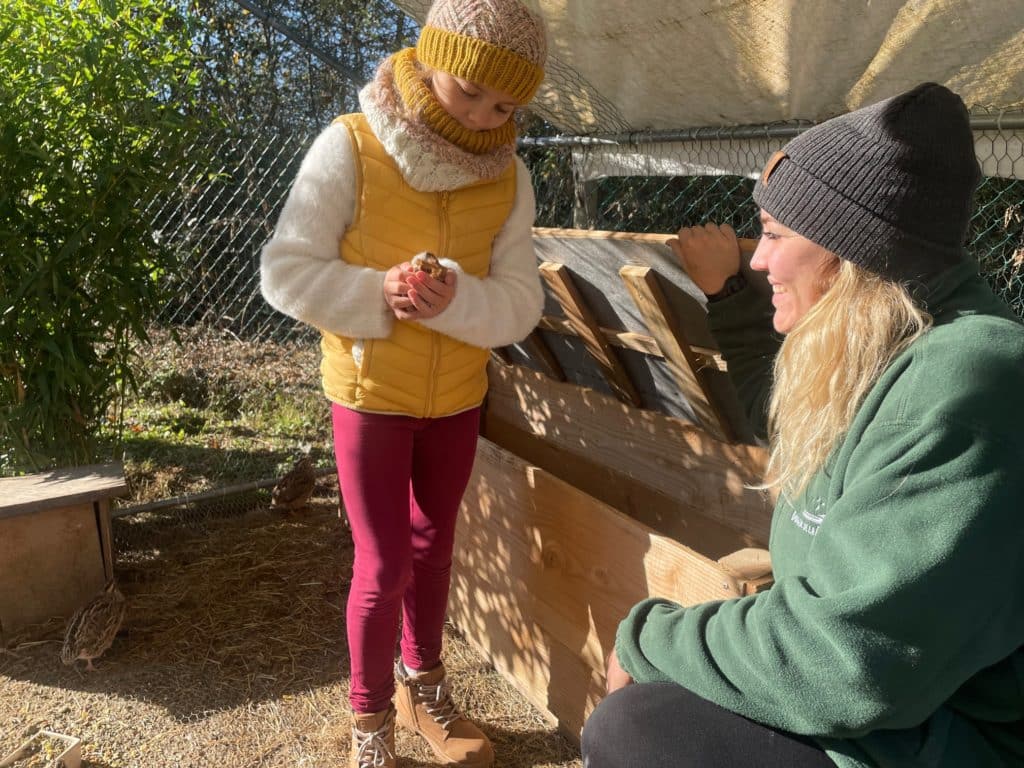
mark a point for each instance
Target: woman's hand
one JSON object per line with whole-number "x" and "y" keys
{"x": 616, "y": 676}
{"x": 709, "y": 254}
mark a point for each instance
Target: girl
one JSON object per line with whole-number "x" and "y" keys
{"x": 428, "y": 165}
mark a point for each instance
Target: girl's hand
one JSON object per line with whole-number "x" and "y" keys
{"x": 396, "y": 288}
{"x": 616, "y": 677}
{"x": 429, "y": 296}
{"x": 709, "y": 254}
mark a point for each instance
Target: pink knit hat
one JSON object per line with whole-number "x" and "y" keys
{"x": 497, "y": 43}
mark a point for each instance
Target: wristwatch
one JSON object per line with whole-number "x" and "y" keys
{"x": 733, "y": 284}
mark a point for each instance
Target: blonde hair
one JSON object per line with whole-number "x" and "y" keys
{"x": 827, "y": 364}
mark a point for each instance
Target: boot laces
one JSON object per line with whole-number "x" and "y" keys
{"x": 372, "y": 746}
{"x": 437, "y": 700}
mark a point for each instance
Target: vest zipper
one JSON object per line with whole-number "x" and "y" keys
{"x": 435, "y": 343}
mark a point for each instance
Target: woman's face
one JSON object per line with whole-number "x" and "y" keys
{"x": 476, "y": 107}
{"x": 799, "y": 271}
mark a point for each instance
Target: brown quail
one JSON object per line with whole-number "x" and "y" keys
{"x": 428, "y": 263}
{"x": 294, "y": 489}
{"x": 92, "y": 628}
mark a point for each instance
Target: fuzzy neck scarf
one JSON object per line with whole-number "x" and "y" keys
{"x": 432, "y": 150}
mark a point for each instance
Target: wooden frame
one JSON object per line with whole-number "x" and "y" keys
{"x": 580, "y": 506}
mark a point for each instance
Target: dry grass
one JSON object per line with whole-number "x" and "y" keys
{"x": 233, "y": 654}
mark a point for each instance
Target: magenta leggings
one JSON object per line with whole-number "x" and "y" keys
{"x": 402, "y": 481}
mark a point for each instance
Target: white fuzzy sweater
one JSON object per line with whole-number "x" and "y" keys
{"x": 302, "y": 275}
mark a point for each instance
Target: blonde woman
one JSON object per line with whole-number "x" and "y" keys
{"x": 889, "y": 381}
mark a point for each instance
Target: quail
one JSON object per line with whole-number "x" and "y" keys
{"x": 427, "y": 262}
{"x": 92, "y": 628}
{"x": 294, "y": 489}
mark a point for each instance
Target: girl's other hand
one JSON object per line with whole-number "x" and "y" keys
{"x": 709, "y": 254}
{"x": 396, "y": 288}
{"x": 429, "y": 296}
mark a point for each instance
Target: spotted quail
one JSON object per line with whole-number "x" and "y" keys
{"x": 92, "y": 628}
{"x": 294, "y": 489}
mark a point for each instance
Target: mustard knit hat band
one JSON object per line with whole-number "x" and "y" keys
{"x": 480, "y": 62}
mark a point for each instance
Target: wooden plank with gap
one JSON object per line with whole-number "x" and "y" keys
{"x": 685, "y": 367}
{"x": 559, "y": 280}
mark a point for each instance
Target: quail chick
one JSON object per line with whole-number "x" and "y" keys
{"x": 428, "y": 262}
{"x": 294, "y": 489}
{"x": 92, "y": 628}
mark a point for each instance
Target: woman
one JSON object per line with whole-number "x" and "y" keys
{"x": 894, "y": 406}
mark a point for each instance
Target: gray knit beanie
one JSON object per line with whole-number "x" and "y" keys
{"x": 888, "y": 187}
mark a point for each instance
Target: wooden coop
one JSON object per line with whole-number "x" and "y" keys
{"x": 55, "y": 542}
{"x": 614, "y": 465}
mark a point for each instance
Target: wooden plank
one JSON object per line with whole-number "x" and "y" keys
{"x": 541, "y": 352}
{"x": 541, "y": 567}
{"x": 501, "y": 355}
{"x": 51, "y": 563}
{"x": 663, "y": 453}
{"x": 642, "y": 283}
{"x": 103, "y": 523}
{"x": 668, "y": 516}
{"x": 60, "y": 488}
{"x": 637, "y": 342}
{"x": 580, "y": 316}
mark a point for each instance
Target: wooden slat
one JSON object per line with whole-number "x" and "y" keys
{"x": 60, "y": 488}
{"x": 559, "y": 279}
{"x": 684, "y": 366}
{"x": 638, "y": 342}
{"x": 544, "y": 573}
{"x": 501, "y": 355}
{"x": 666, "y": 454}
{"x": 541, "y": 352}
{"x": 678, "y": 519}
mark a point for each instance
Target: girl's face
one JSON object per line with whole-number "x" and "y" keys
{"x": 476, "y": 107}
{"x": 799, "y": 271}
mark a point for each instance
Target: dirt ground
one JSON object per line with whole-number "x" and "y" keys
{"x": 232, "y": 655}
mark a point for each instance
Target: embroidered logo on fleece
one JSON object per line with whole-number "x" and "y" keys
{"x": 809, "y": 520}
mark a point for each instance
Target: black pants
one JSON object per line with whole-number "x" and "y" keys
{"x": 663, "y": 725}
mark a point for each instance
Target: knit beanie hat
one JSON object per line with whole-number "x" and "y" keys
{"x": 497, "y": 43}
{"x": 888, "y": 187}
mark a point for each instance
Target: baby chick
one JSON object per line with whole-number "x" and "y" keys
{"x": 294, "y": 489}
{"x": 92, "y": 628}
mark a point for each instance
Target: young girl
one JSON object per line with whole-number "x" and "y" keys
{"x": 429, "y": 165}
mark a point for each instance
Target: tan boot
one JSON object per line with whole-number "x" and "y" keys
{"x": 425, "y": 706}
{"x": 373, "y": 740}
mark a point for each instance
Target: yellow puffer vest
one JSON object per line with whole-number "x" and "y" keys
{"x": 414, "y": 371}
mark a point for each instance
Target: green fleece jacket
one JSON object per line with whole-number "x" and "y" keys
{"x": 894, "y": 632}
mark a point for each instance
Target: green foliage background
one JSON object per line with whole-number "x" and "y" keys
{"x": 98, "y": 102}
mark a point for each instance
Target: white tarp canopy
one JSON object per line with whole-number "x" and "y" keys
{"x": 666, "y": 65}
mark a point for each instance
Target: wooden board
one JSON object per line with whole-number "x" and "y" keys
{"x": 543, "y": 574}
{"x": 700, "y": 474}
{"x": 51, "y": 563}
{"x": 60, "y": 488}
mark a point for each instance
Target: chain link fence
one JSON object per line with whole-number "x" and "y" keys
{"x": 611, "y": 184}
